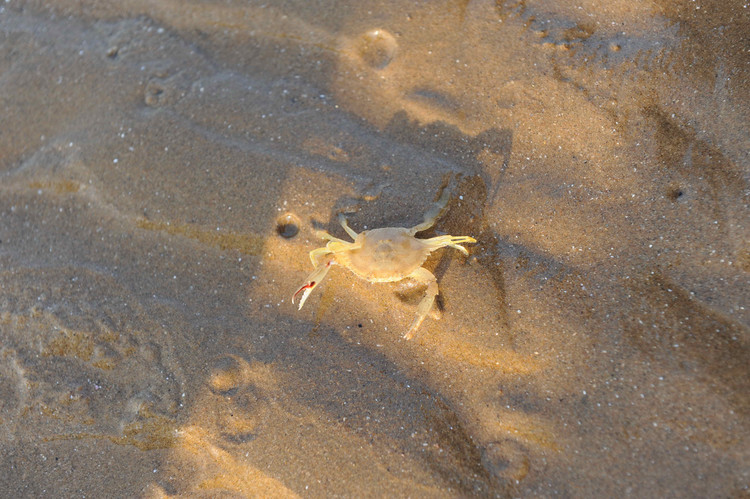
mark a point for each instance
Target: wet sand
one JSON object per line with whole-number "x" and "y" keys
{"x": 164, "y": 167}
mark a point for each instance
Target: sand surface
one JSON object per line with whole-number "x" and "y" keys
{"x": 164, "y": 167}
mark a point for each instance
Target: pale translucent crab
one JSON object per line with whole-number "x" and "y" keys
{"x": 385, "y": 255}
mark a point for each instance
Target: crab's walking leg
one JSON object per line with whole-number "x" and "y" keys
{"x": 345, "y": 225}
{"x": 424, "y": 276}
{"x": 322, "y": 259}
{"x": 325, "y": 235}
{"x": 433, "y": 214}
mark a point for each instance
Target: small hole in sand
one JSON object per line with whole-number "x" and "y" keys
{"x": 675, "y": 194}
{"x": 287, "y": 225}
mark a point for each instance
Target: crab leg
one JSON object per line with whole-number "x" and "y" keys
{"x": 452, "y": 241}
{"x": 424, "y": 276}
{"x": 317, "y": 275}
{"x": 345, "y": 225}
{"x": 325, "y": 235}
{"x": 431, "y": 216}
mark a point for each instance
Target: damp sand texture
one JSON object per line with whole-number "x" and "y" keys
{"x": 165, "y": 167}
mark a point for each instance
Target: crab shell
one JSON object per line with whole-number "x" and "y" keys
{"x": 385, "y": 255}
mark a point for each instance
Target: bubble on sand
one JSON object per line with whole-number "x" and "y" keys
{"x": 287, "y": 225}
{"x": 377, "y": 48}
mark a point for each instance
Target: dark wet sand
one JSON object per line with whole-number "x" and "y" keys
{"x": 595, "y": 343}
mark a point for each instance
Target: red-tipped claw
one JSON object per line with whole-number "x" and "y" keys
{"x": 307, "y": 288}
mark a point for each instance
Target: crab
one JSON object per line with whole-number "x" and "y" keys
{"x": 387, "y": 254}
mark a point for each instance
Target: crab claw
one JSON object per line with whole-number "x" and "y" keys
{"x": 313, "y": 280}
{"x": 307, "y": 288}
